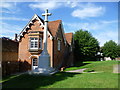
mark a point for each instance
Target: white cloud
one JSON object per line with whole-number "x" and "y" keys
{"x": 6, "y": 11}
{"x": 94, "y": 26}
{"x": 71, "y": 4}
{"x": 53, "y": 4}
{"x": 13, "y": 18}
{"x": 9, "y": 7}
{"x": 102, "y": 30}
{"x": 6, "y": 5}
{"x": 103, "y": 37}
{"x": 88, "y": 10}
{"x": 43, "y": 5}
{"x": 84, "y": 26}
{"x": 109, "y": 22}
{"x": 8, "y": 30}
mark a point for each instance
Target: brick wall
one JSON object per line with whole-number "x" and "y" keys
{"x": 64, "y": 57}
{"x": 58, "y": 56}
{"x": 24, "y": 53}
{"x": 9, "y": 56}
{"x": 9, "y": 50}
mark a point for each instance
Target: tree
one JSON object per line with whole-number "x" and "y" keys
{"x": 118, "y": 50}
{"x": 86, "y": 46}
{"x": 110, "y": 49}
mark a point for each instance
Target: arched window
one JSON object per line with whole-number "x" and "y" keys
{"x": 35, "y": 62}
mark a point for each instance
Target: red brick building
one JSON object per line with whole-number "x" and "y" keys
{"x": 60, "y": 44}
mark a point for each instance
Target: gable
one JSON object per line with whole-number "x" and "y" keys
{"x": 30, "y": 25}
{"x": 36, "y": 23}
{"x": 69, "y": 37}
{"x": 54, "y": 27}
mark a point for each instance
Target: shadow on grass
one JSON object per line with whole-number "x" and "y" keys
{"x": 78, "y": 64}
{"x": 36, "y": 81}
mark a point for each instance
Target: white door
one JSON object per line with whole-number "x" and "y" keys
{"x": 34, "y": 63}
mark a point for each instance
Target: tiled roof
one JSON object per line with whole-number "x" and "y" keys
{"x": 53, "y": 26}
{"x": 69, "y": 37}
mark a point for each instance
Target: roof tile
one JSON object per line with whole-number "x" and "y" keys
{"x": 69, "y": 37}
{"x": 53, "y": 26}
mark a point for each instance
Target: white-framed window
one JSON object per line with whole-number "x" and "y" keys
{"x": 59, "y": 45}
{"x": 35, "y": 62}
{"x": 33, "y": 43}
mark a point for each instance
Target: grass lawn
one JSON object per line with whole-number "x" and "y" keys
{"x": 104, "y": 79}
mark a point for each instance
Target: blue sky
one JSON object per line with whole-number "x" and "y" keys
{"x": 99, "y": 18}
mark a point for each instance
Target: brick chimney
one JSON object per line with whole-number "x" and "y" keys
{"x": 15, "y": 37}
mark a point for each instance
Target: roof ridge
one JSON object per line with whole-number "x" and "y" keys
{"x": 55, "y": 20}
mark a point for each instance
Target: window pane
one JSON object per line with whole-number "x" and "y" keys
{"x": 36, "y": 42}
{"x": 58, "y": 44}
{"x": 35, "y": 46}
{"x": 32, "y": 38}
{"x": 36, "y": 38}
{"x": 40, "y": 43}
{"x": 33, "y": 42}
{"x": 34, "y": 61}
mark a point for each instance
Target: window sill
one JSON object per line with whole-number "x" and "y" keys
{"x": 34, "y": 49}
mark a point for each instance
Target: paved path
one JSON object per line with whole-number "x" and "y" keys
{"x": 116, "y": 69}
{"x": 77, "y": 71}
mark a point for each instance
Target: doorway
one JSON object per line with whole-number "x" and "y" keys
{"x": 34, "y": 63}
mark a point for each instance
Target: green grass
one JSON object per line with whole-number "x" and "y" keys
{"x": 99, "y": 66}
{"x": 104, "y": 79}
